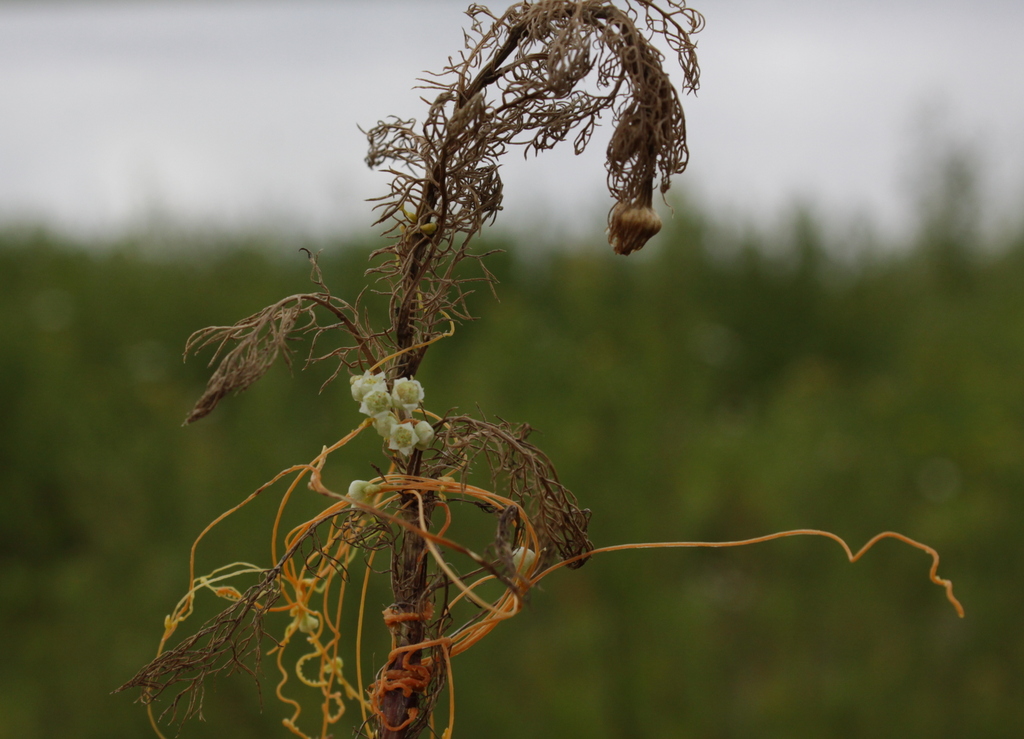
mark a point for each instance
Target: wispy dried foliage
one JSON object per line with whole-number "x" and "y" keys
{"x": 524, "y": 474}
{"x": 261, "y": 338}
{"x": 229, "y": 642}
{"x": 530, "y": 78}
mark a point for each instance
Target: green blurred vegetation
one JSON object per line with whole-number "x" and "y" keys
{"x": 718, "y": 385}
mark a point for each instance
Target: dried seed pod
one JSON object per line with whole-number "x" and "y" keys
{"x": 631, "y": 225}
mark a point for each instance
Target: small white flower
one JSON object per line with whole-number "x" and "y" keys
{"x": 304, "y": 620}
{"x": 367, "y": 383}
{"x": 424, "y": 435}
{"x": 403, "y": 438}
{"x": 407, "y": 394}
{"x": 523, "y": 559}
{"x": 308, "y": 623}
{"x": 384, "y": 423}
{"x": 361, "y": 490}
{"x": 335, "y": 666}
{"x": 376, "y": 403}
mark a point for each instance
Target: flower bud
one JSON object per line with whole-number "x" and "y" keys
{"x": 304, "y": 620}
{"x": 424, "y": 435}
{"x": 523, "y": 559}
{"x": 335, "y": 666}
{"x": 361, "y": 490}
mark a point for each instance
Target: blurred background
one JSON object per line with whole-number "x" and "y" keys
{"x": 828, "y": 333}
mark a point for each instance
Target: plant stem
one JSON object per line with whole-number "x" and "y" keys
{"x": 409, "y": 587}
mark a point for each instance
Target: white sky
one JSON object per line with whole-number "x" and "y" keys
{"x": 245, "y": 113}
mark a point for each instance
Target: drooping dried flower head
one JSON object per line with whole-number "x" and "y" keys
{"x": 631, "y": 225}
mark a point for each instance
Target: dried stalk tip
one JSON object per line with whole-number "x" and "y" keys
{"x": 631, "y": 226}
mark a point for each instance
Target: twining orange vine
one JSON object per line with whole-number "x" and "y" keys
{"x": 307, "y": 582}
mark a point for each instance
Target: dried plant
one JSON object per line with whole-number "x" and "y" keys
{"x": 533, "y": 77}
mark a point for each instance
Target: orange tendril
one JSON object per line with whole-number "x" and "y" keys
{"x": 850, "y": 555}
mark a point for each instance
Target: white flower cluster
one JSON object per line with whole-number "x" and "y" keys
{"x": 403, "y": 435}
